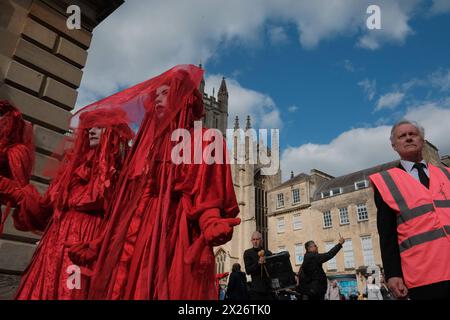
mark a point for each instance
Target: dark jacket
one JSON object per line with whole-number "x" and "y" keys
{"x": 237, "y": 286}
{"x": 313, "y": 280}
{"x": 253, "y": 268}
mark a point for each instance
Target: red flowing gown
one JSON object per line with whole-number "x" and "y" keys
{"x": 162, "y": 253}
{"x": 47, "y": 277}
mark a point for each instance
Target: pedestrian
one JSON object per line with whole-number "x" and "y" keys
{"x": 170, "y": 209}
{"x": 254, "y": 259}
{"x": 74, "y": 207}
{"x": 413, "y": 219}
{"x": 237, "y": 284}
{"x": 16, "y": 155}
{"x": 372, "y": 290}
{"x": 313, "y": 280}
{"x": 333, "y": 291}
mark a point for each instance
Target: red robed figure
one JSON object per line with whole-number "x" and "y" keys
{"x": 165, "y": 218}
{"x": 73, "y": 207}
{"x": 16, "y": 154}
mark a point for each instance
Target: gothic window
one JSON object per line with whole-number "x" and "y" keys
{"x": 220, "y": 261}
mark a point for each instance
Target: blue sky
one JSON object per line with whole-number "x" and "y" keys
{"x": 323, "y": 82}
{"x": 310, "y": 68}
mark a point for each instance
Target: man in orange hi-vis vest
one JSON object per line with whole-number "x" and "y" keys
{"x": 413, "y": 202}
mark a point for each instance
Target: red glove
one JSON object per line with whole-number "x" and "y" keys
{"x": 11, "y": 190}
{"x": 84, "y": 253}
{"x": 217, "y": 230}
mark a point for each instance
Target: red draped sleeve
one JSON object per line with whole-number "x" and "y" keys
{"x": 20, "y": 163}
{"x": 212, "y": 186}
{"x": 34, "y": 211}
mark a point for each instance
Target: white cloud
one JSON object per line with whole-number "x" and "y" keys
{"x": 293, "y": 109}
{"x": 349, "y": 66}
{"x": 326, "y": 19}
{"x": 277, "y": 35}
{"x": 440, "y": 6}
{"x": 370, "y": 87}
{"x": 351, "y": 151}
{"x": 389, "y": 100}
{"x": 361, "y": 148}
{"x": 143, "y": 38}
{"x": 243, "y": 102}
{"x": 441, "y": 80}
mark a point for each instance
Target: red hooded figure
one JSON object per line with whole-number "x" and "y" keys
{"x": 166, "y": 217}
{"x": 74, "y": 205}
{"x": 16, "y": 154}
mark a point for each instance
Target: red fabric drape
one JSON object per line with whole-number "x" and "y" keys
{"x": 164, "y": 218}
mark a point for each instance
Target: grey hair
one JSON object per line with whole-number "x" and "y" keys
{"x": 257, "y": 233}
{"x": 404, "y": 121}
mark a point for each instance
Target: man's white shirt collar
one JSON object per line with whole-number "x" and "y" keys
{"x": 408, "y": 165}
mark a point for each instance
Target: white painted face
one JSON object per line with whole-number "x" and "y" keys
{"x": 161, "y": 100}
{"x": 95, "y": 134}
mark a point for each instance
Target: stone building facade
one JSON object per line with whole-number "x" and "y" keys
{"x": 41, "y": 66}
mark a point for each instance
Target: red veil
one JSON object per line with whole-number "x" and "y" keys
{"x": 171, "y": 258}
{"x": 95, "y": 168}
{"x": 108, "y": 157}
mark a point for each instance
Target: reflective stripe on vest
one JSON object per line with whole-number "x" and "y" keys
{"x": 406, "y": 213}
{"x": 447, "y": 229}
{"x": 424, "y": 237}
{"x": 442, "y": 203}
{"x": 445, "y": 172}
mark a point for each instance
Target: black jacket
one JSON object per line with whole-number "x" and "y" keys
{"x": 313, "y": 280}
{"x": 253, "y": 268}
{"x": 237, "y": 286}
